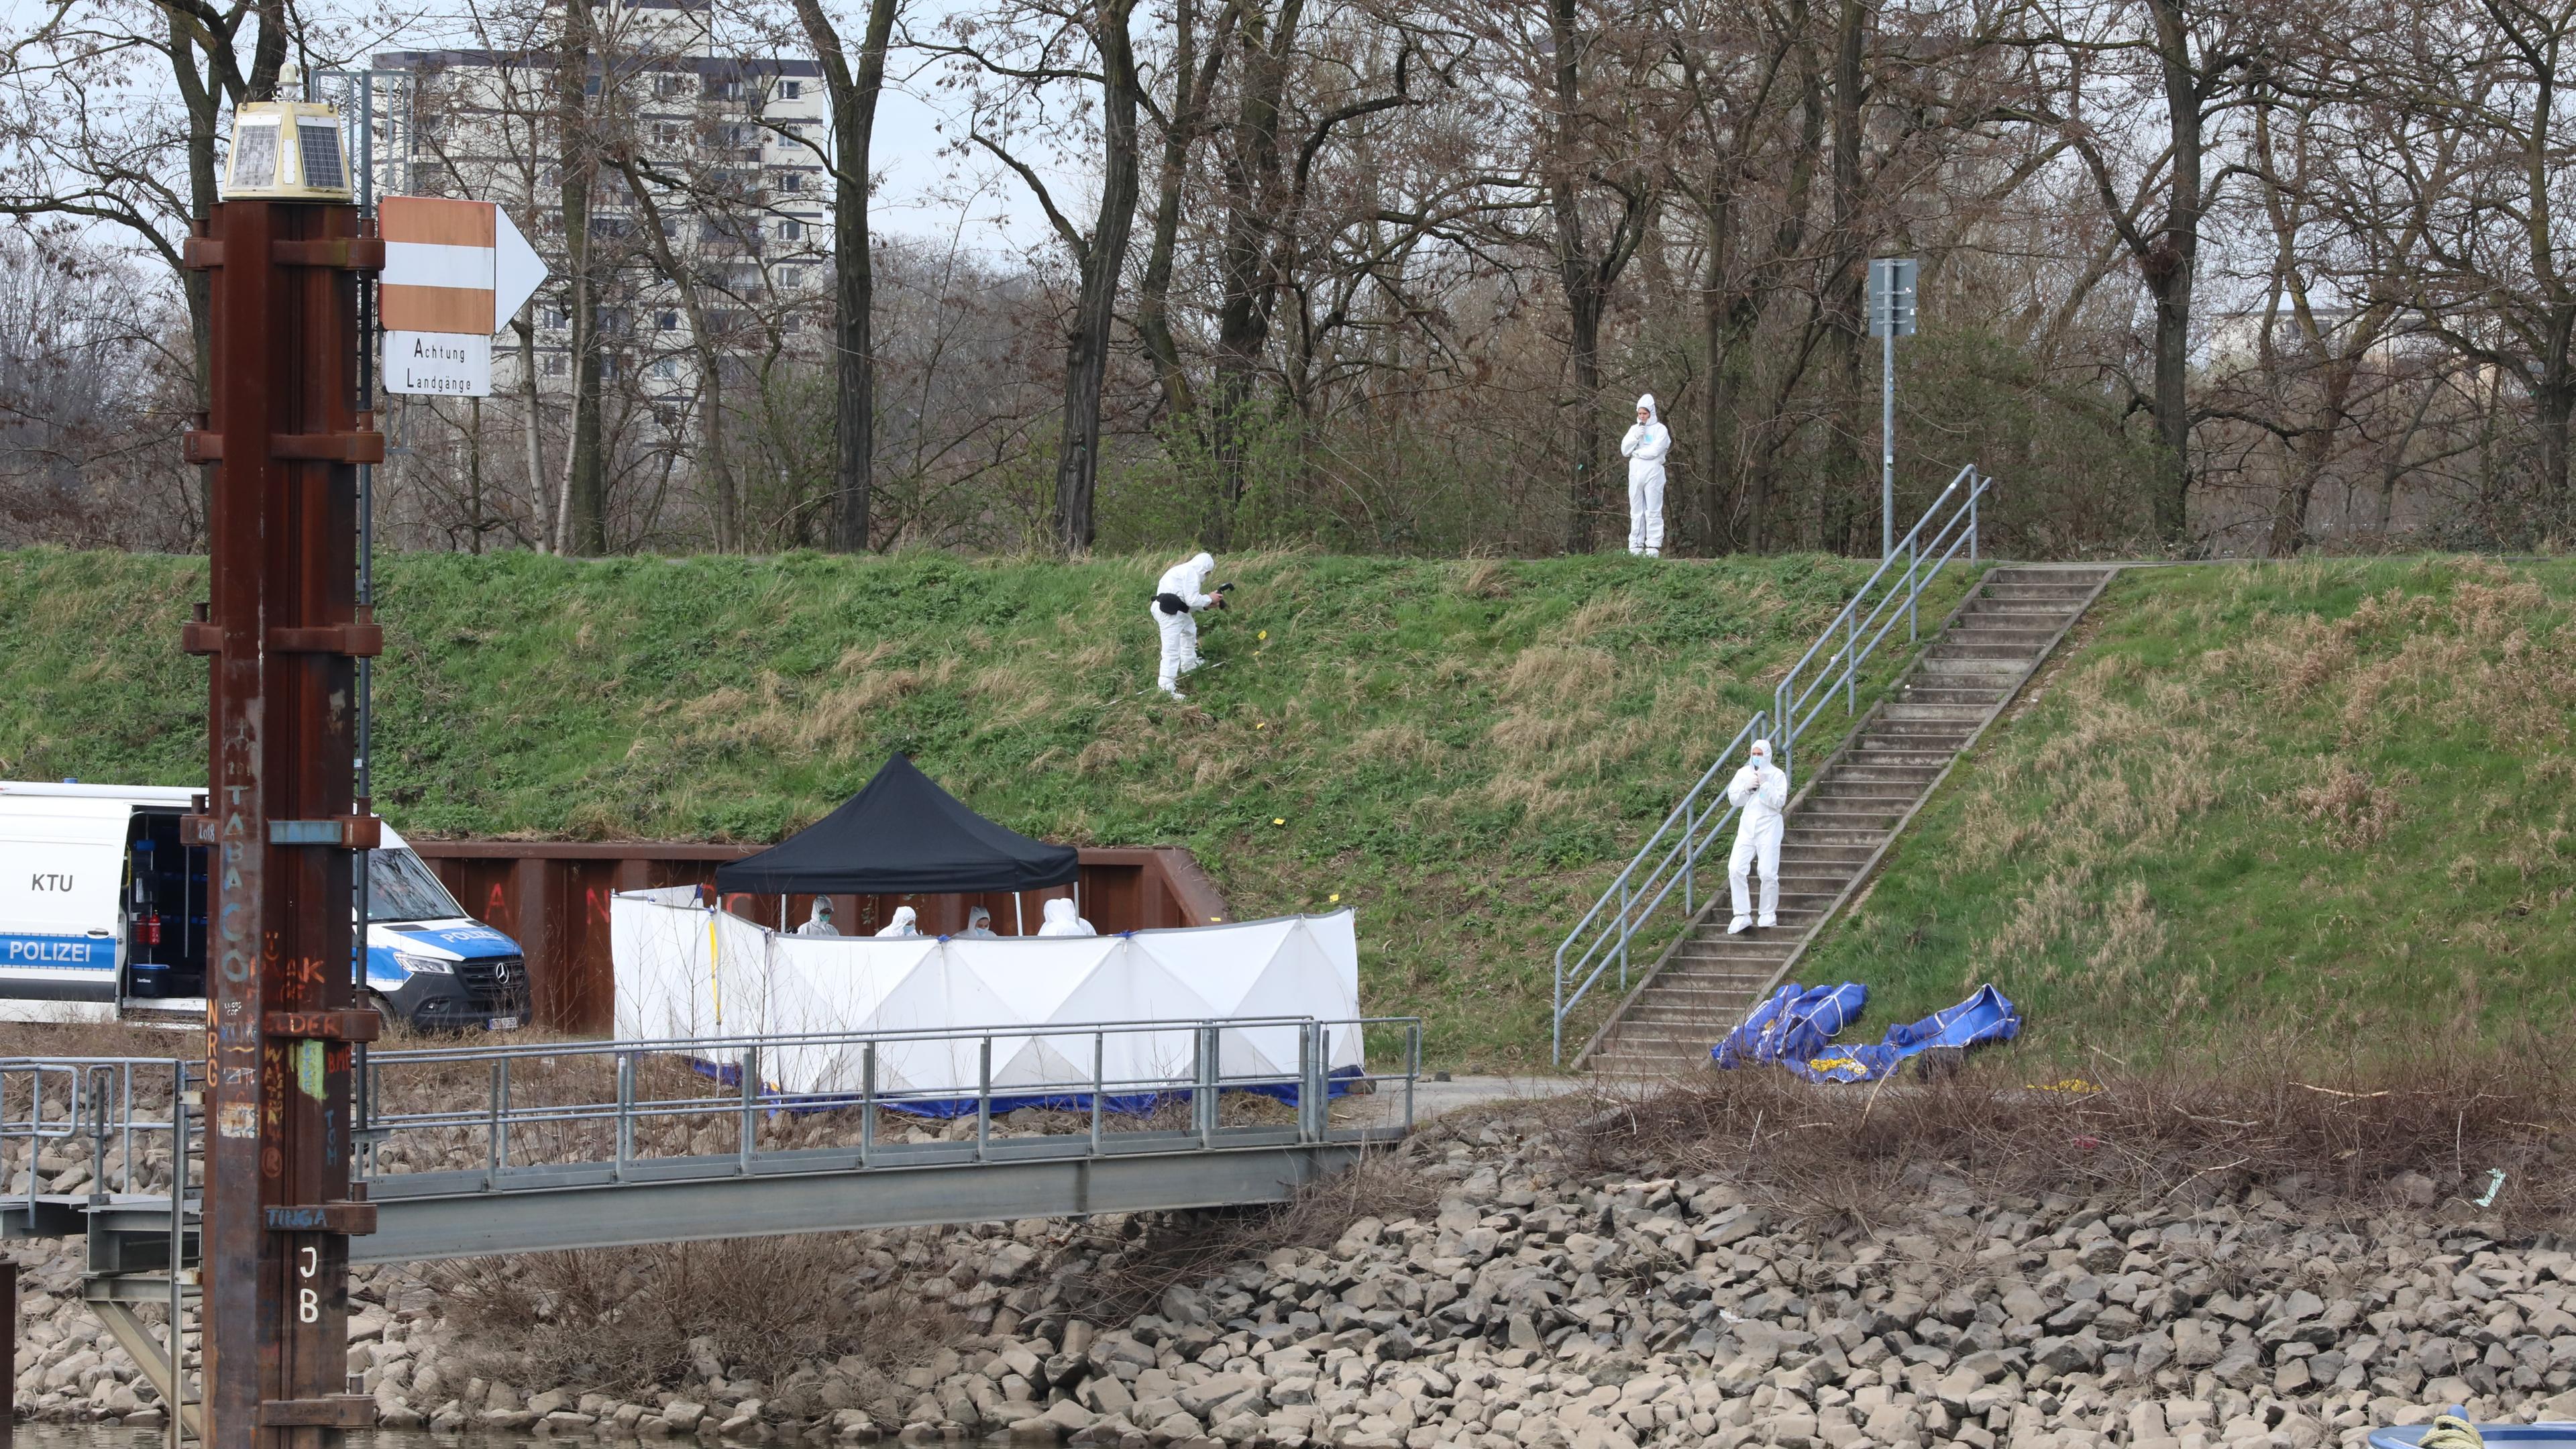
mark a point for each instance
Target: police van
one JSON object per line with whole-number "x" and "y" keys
{"x": 103, "y": 917}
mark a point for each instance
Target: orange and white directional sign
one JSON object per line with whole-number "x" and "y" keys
{"x": 455, "y": 273}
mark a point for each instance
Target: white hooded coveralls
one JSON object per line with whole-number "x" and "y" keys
{"x": 1060, "y": 917}
{"x": 901, "y": 925}
{"x": 1181, "y": 631}
{"x": 819, "y": 922}
{"x": 1644, "y": 447}
{"x": 1761, "y": 791}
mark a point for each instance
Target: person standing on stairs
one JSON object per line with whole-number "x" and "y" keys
{"x": 1760, "y": 791}
{"x": 1644, "y": 447}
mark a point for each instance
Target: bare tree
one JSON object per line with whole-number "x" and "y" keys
{"x": 1024, "y": 53}
{"x": 854, "y": 92}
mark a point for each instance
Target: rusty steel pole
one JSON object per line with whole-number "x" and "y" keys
{"x": 283, "y": 627}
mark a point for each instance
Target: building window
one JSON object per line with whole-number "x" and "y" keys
{"x": 791, "y": 229}
{"x": 666, "y": 369}
{"x": 794, "y": 89}
{"x": 667, "y": 321}
{"x": 555, "y": 365}
{"x": 792, "y": 181}
{"x": 557, "y": 320}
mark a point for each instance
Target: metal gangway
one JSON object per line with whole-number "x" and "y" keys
{"x": 1662, "y": 890}
{"x": 467, "y": 1150}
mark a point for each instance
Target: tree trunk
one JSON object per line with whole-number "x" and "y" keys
{"x": 1717, "y": 533}
{"x": 1251, "y": 221}
{"x": 1578, "y": 275}
{"x": 474, "y": 475}
{"x": 2308, "y": 462}
{"x": 584, "y": 520}
{"x": 1192, "y": 80}
{"x": 2553, "y": 406}
{"x": 1584, "y": 307}
{"x": 703, "y": 348}
{"x": 204, "y": 110}
{"x": 2169, "y": 264}
{"x": 1856, "y": 499}
{"x": 539, "y": 496}
{"x": 854, "y": 119}
{"x": 1086, "y": 345}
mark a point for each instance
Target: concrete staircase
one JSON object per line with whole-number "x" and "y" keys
{"x": 1845, "y": 818}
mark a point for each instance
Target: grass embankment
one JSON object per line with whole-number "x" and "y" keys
{"x": 1465, "y": 751}
{"x": 2326, "y": 806}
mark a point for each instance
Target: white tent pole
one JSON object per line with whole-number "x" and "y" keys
{"x": 1019, "y": 920}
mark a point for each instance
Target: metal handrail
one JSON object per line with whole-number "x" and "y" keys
{"x": 99, "y": 1101}
{"x": 1790, "y": 699}
{"x": 744, "y": 1098}
{"x": 1605, "y": 937}
{"x": 95, "y": 1099}
{"x": 1637, "y": 898}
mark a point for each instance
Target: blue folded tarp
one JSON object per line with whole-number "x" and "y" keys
{"x": 1988, "y": 1016}
{"x": 1798, "y": 1022}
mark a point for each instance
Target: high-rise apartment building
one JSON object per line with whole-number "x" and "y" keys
{"x": 725, "y": 142}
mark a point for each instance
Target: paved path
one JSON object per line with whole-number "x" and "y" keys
{"x": 1431, "y": 1098}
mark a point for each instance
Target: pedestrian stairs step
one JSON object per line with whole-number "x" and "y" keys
{"x": 1964, "y": 674}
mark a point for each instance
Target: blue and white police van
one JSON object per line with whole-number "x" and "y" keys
{"x": 103, "y": 916}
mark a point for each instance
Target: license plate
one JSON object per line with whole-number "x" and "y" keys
{"x": 502, "y": 1023}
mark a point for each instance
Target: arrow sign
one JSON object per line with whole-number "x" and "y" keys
{"x": 455, "y": 271}
{"x": 517, "y": 270}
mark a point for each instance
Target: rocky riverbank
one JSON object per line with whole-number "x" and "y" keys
{"x": 1536, "y": 1302}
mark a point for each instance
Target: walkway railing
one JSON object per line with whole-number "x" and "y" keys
{"x": 1666, "y": 869}
{"x": 491, "y": 1118}
{"x": 1874, "y": 609}
{"x": 131, "y": 1114}
{"x": 614, "y": 1111}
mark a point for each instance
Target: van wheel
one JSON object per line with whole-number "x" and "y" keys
{"x": 383, "y": 1008}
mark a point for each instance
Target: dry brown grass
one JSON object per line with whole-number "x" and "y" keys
{"x": 2148, "y": 1140}
{"x": 1144, "y": 1256}
{"x": 632, "y": 1319}
{"x": 101, "y": 1039}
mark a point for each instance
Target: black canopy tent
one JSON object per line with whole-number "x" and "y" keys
{"x": 902, "y": 835}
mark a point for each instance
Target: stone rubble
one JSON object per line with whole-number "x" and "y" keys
{"x": 1539, "y": 1309}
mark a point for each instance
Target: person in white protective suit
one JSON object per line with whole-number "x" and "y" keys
{"x": 1761, "y": 791}
{"x": 1061, "y": 920}
{"x": 820, "y": 922}
{"x": 1178, "y": 597}
{"x": 1644, "y": 448}
{"x": 979, "y": 926}
{"x": 901, "y": 925}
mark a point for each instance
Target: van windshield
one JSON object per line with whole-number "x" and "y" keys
{"x": 400, "y": 887}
